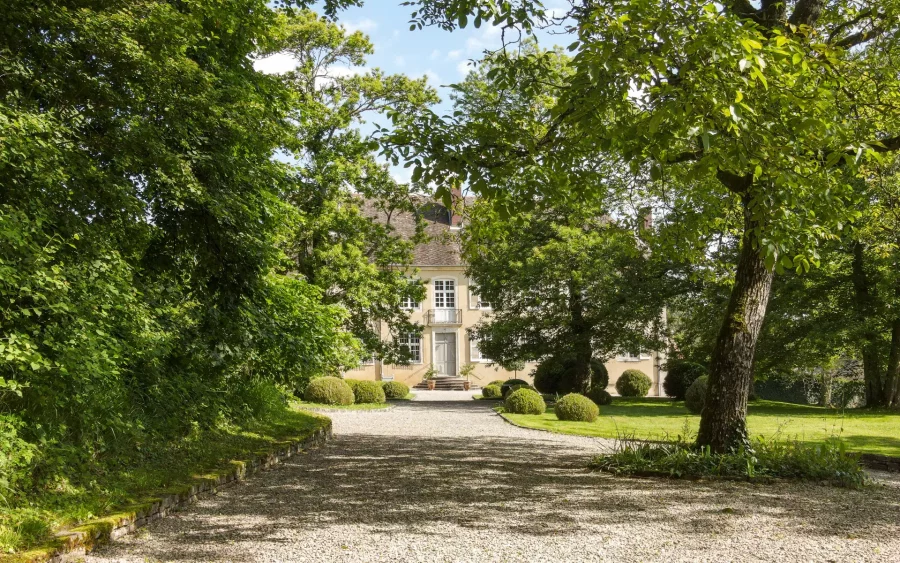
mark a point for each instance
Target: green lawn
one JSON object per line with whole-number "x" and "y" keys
{"x": 28, "y": 523}
{"x": 653, "y": 419}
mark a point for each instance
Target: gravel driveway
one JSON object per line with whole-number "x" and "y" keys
{"x": 451, "y": 481}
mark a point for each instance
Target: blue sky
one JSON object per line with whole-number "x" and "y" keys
{"x": 440, "y": 55}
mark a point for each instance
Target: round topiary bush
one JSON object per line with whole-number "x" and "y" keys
{"x": 491, "y": 392}
{"x": 679, "y": 378}
{"x": 509, "y": 384}
{"x": 576, "y": 407}
{"x": 633, "y": 383}
{"x": 395, "y": 389}
{"x": 525, "y": 401}
{"x": 555, "y": 375}
{"x": 600, "y": 396}
{"x": 328, "y": 391}
{"x": 369, "y": 392}
{"x": 696, "y": 395}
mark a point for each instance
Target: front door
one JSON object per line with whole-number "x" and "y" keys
{"x": 445, "y": 353}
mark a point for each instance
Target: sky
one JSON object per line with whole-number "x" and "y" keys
{"x": 444, "y": 57}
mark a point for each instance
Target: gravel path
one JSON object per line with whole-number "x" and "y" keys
{"x": 451, "y": 481}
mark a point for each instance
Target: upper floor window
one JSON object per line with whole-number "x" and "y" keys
{"x": 444, "y": 294}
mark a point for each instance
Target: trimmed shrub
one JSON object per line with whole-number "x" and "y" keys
{"x": 328, "y": 391}
{"x": 369, "y": 392}
{"x": 600, "y": 396}
{"x": 633, "y": 383}
{"x": 696, "y": 395}
{"x": 555, "y": 375}
{"x": 679, "y": 378}
{"x": 395, "y": 389}
{"x": 492, "y": 392}
{"x": 510, "y": 383}
{"x": 576, "y": 407}
{"x": 525, "y": 401}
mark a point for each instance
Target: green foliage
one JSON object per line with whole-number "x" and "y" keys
{"x": 524, "y": 401}
{"x": 555, "y": 375}
{"x": 365, "y": 392}
{"x": 680, "y": 376}
{"x": 633, "y": 383}
{"x": 511, "y": 384}
{"x": 492, "y": 391}
{"x": 395, "y": 389}
{"x": 829, "y": 462}
{"x": 695, "y": 397}
{"x": 600, "y": 396}
{"x": 329, "y": 391}
{"x": 577, "y": 408}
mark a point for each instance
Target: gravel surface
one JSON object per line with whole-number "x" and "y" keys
{"x": 431, "y": 480}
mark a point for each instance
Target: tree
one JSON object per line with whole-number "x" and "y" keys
{"x": 563, "y": 282}
{"x": 358, "y": 263}
{"x": 772, "y": 108}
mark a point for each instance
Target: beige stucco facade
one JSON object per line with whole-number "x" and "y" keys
{"x": 446, "y": 314}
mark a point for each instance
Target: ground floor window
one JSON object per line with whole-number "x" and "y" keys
{"x": 413, "y": 343}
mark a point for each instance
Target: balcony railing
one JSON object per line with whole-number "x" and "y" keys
{"x": 443, "y": 317}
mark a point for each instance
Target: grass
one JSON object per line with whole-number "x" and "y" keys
{"x": 29, "y": 522}
{"x": 860, "y": 430}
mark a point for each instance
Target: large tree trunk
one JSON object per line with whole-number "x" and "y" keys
{"x": 871, "y": 357}
{"x": 892, "y": 377}
{"x": 723, "y": 423}
{"x": 581, "y": 339}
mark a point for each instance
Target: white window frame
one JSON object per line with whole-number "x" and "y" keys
{"x": 473, "y": 347}
{"x": 413, "y": 342}
{"x": 444, "y": 292}
{"x": 407, "y": 304}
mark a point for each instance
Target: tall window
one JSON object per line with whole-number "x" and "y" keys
{"x": 475, "y": 354}
{"x": 444, "y": 294}
{"x": 413, "y": 343}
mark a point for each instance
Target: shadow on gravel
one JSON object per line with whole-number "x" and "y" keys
{"x": 420, "y": 486}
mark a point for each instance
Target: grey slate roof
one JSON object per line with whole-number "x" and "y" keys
{"x": 442, "y": 245}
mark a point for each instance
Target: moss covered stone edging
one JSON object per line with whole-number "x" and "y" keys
{"x": 73, "y": 544}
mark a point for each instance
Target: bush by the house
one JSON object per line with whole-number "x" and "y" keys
{"x": 829, "y": 461}
{"x": 696, "y": 395}
{"x": 492, "y": 392}
{"x": 577, "y": 408}
{"x": 679, "y": 378}
{"x": 395, "y": 389}
{"x": 633, "y": 383}
{"x": 600, "y": 396}
{"x": 525, "y": 401}
{"x": 329, "y": 391}
{"x": 368, "y": 392}
{"x": 511, "y": 384}
{"x": 557, "y": 375}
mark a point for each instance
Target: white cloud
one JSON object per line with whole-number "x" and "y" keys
{"x": 464, "y": 67}
{"x": 453, "y": 55}
{"x": 279, "y": 63}
{"x": 365, "y": 25}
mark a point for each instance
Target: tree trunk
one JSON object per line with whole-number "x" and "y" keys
{"x": 581, "y": 339}
{"x": 871, "y": 358}
{"x": 892, "y": 377}
{"x": 723, "y": 423}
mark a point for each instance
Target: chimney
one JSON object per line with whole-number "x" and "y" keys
{"x": 456, "y": 207}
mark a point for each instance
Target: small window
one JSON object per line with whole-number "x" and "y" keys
{"x": 413, "y": 343}
{"x": 475, "y": 354}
